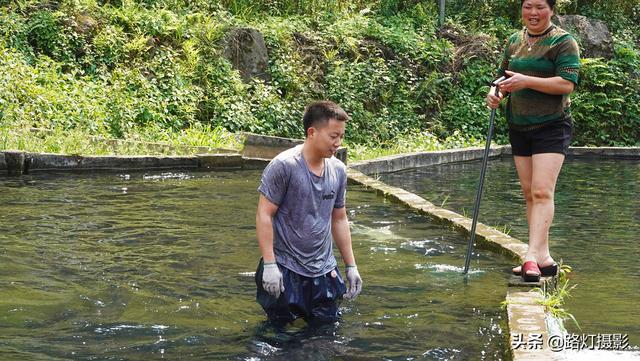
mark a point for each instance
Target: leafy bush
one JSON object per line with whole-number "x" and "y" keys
{"x": 119, "y": 68}
{"x": 224, "y": 97}
{"x": 465, "y": 109}
{"x": 50, "y": 33}
{"x": 15, "y": 33}
{"x": 606, "y": 107}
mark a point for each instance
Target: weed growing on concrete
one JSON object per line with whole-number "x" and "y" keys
{"x": 556, "y": 292}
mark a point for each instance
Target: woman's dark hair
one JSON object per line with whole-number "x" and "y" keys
{"x": 319, "y": 114}
{"x": 552, "y": 3}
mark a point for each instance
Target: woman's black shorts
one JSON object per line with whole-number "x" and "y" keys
{"x": 554, "y": 137}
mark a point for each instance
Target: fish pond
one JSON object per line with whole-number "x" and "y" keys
{"x": 595, "y": 229}
{"x": 159, "y": 265}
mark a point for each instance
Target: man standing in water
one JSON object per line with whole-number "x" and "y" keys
{"x": 300, "y": 210}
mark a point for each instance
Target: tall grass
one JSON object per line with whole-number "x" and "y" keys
{"x": 415, "y": 141}
{"x": 555, "y": 294}
{"x": 305, "y": 7}
{"x": 151, "y": 141}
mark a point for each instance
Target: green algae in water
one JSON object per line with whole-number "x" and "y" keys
{"x": 143, "y": 266}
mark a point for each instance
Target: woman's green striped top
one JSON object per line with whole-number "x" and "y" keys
{"x": 555, "y": 53}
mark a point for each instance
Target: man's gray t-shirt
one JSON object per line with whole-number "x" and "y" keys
{"x": 302, "y": 239}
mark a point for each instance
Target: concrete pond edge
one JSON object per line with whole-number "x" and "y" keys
{"x": 16, "y": 163}
{"x": 525, "y": 315}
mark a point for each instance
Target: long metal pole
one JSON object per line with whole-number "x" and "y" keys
{"x": 485, "y": 158}
{"x": 441, "y": 17}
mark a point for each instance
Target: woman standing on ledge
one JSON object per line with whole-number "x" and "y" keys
{"x": 541, "y": 63}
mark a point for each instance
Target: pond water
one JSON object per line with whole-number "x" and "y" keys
{"x": 143, "y": 266}
{"x": 595, "y": 229}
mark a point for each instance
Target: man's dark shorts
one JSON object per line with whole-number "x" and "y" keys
{"x": 554, "y": 137}
{"x": 315, "y": 299}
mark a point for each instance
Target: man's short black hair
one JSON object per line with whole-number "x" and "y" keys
{"x": 552, "y": 3}
{"x": 319, "y": 113}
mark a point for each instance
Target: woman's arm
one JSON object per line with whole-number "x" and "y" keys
{"x": 555, "y": 85}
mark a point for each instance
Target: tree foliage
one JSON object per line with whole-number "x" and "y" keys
{"x": 118, "y": 67}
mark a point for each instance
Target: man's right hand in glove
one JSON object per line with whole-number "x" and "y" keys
{"x": 272, "y": 279}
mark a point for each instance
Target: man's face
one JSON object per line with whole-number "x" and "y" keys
{"x": 536, "y": 15}
{"x": 326, "y": 139}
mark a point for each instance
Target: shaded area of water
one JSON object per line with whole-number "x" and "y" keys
{"x": 148, "y": 266}
{"x": 595, "y": 229}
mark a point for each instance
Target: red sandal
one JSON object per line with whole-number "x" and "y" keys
{"x": 533, "y": 267}
{"x": 547, "y": 271}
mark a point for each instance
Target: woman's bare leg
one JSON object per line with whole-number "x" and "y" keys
{"x": 538, "y": 176}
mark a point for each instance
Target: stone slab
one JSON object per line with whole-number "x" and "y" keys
{"x": 399, "y": 162}
{"x": 43, "y": 162}
{"x": 220, "y": 161}
{"x": 528, "y": 334}
{"x": 605, "y": 152}
{"x": 517, "y": 281}
{"x": 254, "y": 163}
{"x": 267, "y": 147}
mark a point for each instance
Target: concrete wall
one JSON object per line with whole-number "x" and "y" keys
{"x": 43, "y": 162}
{"x": 35, "y": 162}
{"x": 605, "y": 152}
{"x": 267, "y": 147}
{"x": 259, "y": 148}
{"x": 399, "y": 162}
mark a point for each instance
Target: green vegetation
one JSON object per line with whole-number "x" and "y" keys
{"x": 411, "y": 142}
{"x": 556, "y": 293}
{"x": 155, "y": 70}
{"x": 151, "y": 142}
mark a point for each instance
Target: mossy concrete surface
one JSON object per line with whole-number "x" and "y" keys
{"x": 267, "y": 147}
{"x": 42, "y": 162}
{"x": 605, "y": 152}
{"x": 528, "y": 334}
{"x": 22, "y": 162}
{"x": 394, "y": 163}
